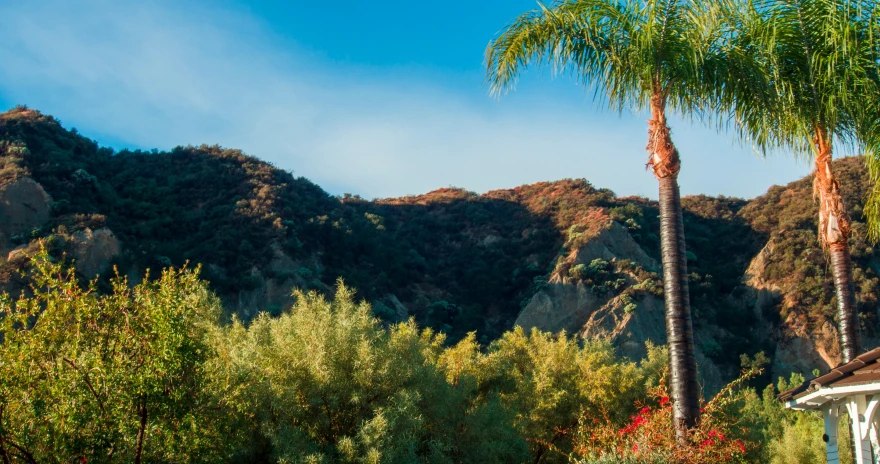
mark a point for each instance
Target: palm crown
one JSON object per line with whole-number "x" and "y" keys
{"x": 632, "y": 50}
{"x": 863, "y": 71}
{"x": 812, "y": 55}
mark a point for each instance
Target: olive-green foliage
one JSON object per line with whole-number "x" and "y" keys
{"x": 549, "y": 382}
{"x": 801, "y": 442}
{"x": 326, "y": 382}
{"x": 323, "y": 382}
{"x": 785, "y": 436}
{"x": 82, "y": 374}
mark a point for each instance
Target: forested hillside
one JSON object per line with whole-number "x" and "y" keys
{"x": 455, "y": 260}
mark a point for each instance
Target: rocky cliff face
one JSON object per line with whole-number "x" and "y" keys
{"x": 796, "y": 348}
{"x": 799, "y": 345}
{"x": 783, "y": 294}
{"x": 567, "y": 303}
{"x": 627, "y": 315}
{"x": 272, "y": 286}
{"x": 25, "y": 206}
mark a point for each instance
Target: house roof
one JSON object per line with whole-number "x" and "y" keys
{"x": 864, "y": 369}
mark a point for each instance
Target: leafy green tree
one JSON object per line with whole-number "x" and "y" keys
{"x": 642, "y": 55}
{"x": 326, "y": 382}
{"x": 107, "y": 378}
{"x": 809, "y": 53}
{"x": 147, "y": 374}
{"x": 787, "y": 436}
{"x": 550, "y": 382}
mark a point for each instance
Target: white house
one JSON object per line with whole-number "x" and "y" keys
{"x": 854, "y": 386}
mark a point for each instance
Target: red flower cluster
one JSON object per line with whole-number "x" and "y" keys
{"x": 636, "y": 421}
{"x": 717, "y": 437}
{"x": 648, "y": 434}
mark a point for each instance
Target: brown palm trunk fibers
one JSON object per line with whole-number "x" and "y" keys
{"x": 834, "y": 233}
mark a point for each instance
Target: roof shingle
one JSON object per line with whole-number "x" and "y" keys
{"x": 862, "y": 370}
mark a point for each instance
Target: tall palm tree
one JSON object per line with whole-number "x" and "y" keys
{"x": 807, "y": 49}
{"x": 641, "y": 54}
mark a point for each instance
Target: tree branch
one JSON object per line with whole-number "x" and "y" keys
{"x": 3, "y": 453}
{"x": 23, "y": 453}
{"x": 142, "y": 429}
{"x": 88, "y": 384}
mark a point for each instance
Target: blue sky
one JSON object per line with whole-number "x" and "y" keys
{"x": 379, "y": 98}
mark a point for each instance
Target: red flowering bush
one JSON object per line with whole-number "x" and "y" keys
{"x": 648, "y": 436}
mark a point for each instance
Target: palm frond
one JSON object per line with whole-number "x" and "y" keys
{"x": 806, "y": 60}
{"x": 627, "y": 50}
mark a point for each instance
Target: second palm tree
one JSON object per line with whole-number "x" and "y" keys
{"x": 644, "y": 55}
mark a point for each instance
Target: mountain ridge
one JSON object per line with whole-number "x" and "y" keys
{"x": 455, "y": 260}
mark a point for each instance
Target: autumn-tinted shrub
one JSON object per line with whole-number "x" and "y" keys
{"x": 649, "y": 438}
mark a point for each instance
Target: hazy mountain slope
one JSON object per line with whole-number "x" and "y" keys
{"x": 455, "y": 260}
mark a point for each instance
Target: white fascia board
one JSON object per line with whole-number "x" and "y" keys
{"x": 823, "y": 395}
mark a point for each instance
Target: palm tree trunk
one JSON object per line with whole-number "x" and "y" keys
{"x": 834, "y": 232}
{"x": 683, "y": 385}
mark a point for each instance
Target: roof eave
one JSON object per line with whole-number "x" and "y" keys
{"x": 815, "y": 400}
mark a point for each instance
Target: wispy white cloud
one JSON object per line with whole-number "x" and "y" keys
{"x": 159, "y": 74}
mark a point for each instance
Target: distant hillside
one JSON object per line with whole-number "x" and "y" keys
{"x": 555, "y": 255}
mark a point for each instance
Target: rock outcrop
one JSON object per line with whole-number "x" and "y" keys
{"x": 762, "y": 295}
{"x": 93, "y": 250}
{"x": 560, "y": 306}
{"x": 627, "y": 321}
{"x": 629, "y": 329}
{"x": 798, "y": 349}
{"x": 24, "y": 206}
{"x": 567, "y": 305}
{"x": 390, "y": 308}
{"x": 271, "y": 295}
{"x": 273, "y": 290}
{"x": 615, "y": 242}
